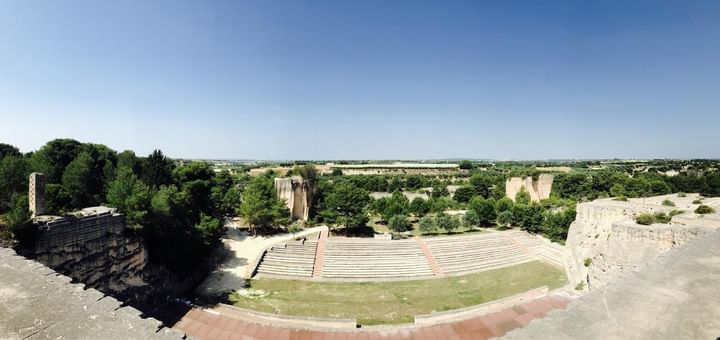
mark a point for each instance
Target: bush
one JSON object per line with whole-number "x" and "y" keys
{"x": 587, "y": 261}
{"x": 620, "y": 198}
{"x": 682, "y": 194}
{"x": 661, "y": 217}
{"x": 645, "y": 219}
{"x": 676, "y": 212}
{"x": 447, "y": 222}
{"x": 399, "y": 223}
{"x": 668, "y": 203}
{"x": 427, "y": 225}
{"x": 697, "y": 201}
{"x": 704, "y": 209}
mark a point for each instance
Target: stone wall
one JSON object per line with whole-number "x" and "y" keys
{"x": 298, "y": 195}
{"x": 605, "y": 235}
{"x": 95, "y": 250}
{"x": 537, "y": 188}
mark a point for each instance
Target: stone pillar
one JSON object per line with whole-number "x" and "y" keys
{"x": 36, "y": 193}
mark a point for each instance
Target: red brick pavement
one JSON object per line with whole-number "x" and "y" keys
{"x": 429, "y": 256}
{"x": 320, "y": 254}
{"x": 206, "y": 325}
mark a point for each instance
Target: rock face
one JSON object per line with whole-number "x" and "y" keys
{"x": 605, "y": 241}
{"x": 537, "y": 188}
{"x": 94, "y": 249}
{"x": 674, "y": 297}
{"x": 298, "y": 195}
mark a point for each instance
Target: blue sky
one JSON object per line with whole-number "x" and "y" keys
{"x": 365, "y": 79}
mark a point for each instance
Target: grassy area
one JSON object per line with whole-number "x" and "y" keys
{"x": 396, "y": 302}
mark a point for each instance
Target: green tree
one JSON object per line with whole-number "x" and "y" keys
{"x": 482, "y": 184}
{"x": 9, "y": 150}
{"x": 209, "y": 228}
{"x": 440, "y": 190}
{"x": 466, "y": 165}
{"x": 447, "y": 222}
{"x": 77, "y": 179}
{"x": 419, "y": 206}
{"x": 54, "y": 157}
{"x": 505, "y": 218}
{"x": 503, "y": 204}
{"x": 485, "y": 209}
{"x": 522, "y": 197}
{"x": 18, "y": 220}
{"x": 131, "y": 196}
{"x": 532, "y": 218}
{"x": 157, "y": 169}
{"x": 556, "y": 225}
{"x": 399, "y": 223}
{"x": 464, "y": 194}
{"x": 471, "y": 219}
{"x": 427, "y": 225}
{"x": 617, "y": 190}
{"x": 261, "y": 206}
{"x": 14, "y": 173}
{"x": 346, "y": 205}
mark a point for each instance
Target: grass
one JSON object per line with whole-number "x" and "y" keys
{"x": 396, "y": 302}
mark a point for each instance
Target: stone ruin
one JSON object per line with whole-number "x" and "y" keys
{"x": 538, "y": 189}
{"x": 36, "y": 193}
{"x": 298, "y": 194}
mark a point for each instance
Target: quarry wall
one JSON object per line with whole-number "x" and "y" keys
{"x": 605, "y": 241}
{"x": 537, "y": 188}
{"x": 298, "y": 195}
{"x": 97, "y": 250}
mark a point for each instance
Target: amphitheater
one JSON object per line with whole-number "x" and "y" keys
{"x": 320, "y": 257}
{"x": 624, "y": 280}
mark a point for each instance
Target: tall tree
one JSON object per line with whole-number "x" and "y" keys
{"x": 346, "y": 204}
{"x": 54, "y": 157}
{"x": 14, "y": 171}
{"x": 77, "y": 179}
{"x": 131, "y": 196}
{"x": 157, "y": 169}
{"x": 9, "y": 150}
{"x": 260, "y": 204}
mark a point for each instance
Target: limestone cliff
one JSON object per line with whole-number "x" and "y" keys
{"x": 298, "y": 195}
{"x": 605, "y": 241}
{"x": 537, "y": 188}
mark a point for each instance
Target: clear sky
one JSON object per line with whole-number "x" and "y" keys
{"x": 365, "y": 79}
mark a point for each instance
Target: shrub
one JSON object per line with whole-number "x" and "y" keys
{"x": 668, "y": 203}
{"x": 587, "y": 261}
{"x": 645, "y": 219}
{"x": 447, "y": 222}
{"x": 427, "y": 225}
{"x": 620, "y": 198}
{"x": 399, "y": 223}
{"x": 697, "y": 201}
{"x": 294, "y": 228}
{"x": 682, "y": 194}
{"x": 676, "y": 212}
{"x": 661, "y": 217}
{"x": 580, "y": 285}
{"x": 704, "y": 209}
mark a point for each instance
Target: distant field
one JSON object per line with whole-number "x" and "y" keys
{"x": 397, "y": 302}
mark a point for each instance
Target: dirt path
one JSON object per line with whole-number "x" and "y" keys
{"x": 243, "y": 252}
